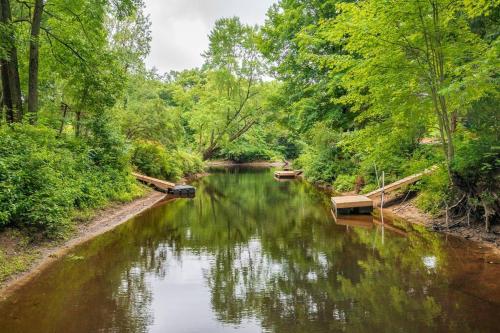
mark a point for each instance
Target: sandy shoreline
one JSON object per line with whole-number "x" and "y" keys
{"x": 105, "y": 220}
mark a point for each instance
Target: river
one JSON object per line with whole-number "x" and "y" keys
{"x": 251, "y": 254}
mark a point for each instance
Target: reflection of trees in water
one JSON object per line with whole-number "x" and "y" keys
{"x": 103, "y": 288}
{"x": 305, "y": 274}
{"x": 277, "y": 257}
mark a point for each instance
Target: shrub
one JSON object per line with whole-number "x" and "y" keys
{"x": 152, "y": 159}
{"x": 44, "y": 178}
{"x": 434, "y": 190}
{"x": 190, "y": 164}
{"x": 344, "y": 183}
{"x": 324, "y": 159}
{"x": 242, "y": 154}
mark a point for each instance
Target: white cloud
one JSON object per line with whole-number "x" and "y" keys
{"x": 180, "y": 28}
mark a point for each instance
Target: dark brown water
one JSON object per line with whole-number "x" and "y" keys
{"x": 250, "y": 254}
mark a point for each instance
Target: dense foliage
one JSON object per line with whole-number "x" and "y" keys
{"x": 44, "y": 178}
{"x": 346, "y": 89}
{"x": 371, "y": 83}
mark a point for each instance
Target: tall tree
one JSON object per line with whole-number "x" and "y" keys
{"x": 11, "y": 86}
{"x": 235, "y": 73}
{"x": 34, "y": 60}
{"x": 414, "y": 55}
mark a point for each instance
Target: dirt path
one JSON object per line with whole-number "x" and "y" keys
{"x": 104, "y": 221}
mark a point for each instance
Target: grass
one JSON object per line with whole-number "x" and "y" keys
{"x": 16, "y": 255}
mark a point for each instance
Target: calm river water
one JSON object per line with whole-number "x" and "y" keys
{"x": 250, "y": 254}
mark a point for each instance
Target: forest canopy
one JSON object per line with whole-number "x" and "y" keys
{"x": 343, "y": 89}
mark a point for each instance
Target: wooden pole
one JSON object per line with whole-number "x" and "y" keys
{"x": 382, "y": 194}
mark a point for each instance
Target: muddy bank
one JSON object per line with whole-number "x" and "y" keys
{"x": 408, "y": 211}
{"x": 43, "y": 254}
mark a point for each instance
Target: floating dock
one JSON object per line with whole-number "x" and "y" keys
{"x": 167, "y": 187}
{"x": 352, "y": 204}
{"x": 289, "y": 174}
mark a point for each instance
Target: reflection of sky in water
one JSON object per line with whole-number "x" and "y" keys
{"x": 184, "y": 297}
{"x": 430, "y": 262}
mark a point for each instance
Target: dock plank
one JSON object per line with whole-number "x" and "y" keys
{"x": 352, "y": 201}
{"x": 161, "y": 184}
{"x": 287, "y": 173}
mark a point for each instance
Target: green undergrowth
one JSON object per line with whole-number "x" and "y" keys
{"x": 16, "y": 254}
{"x": 46, "y": 180}
{"x": 153, "y": 159}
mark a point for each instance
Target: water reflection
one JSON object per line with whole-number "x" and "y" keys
{"x": 250, "y": 254}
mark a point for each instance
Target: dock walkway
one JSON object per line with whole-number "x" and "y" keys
{"x": 401, "y": 183}
{"x": 167, "y": 187}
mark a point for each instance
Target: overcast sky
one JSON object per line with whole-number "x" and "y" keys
{"x": 180, "y": 28}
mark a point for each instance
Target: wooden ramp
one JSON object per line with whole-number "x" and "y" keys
{"x": 363, "y": 204}
{"x": 184, "y": 191}
{"x": 400, "y": 183}
{"x": 162, "y": 185}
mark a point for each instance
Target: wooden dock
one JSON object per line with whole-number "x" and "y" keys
{"x": 363, "y": 204}
{"x": 349, "y": 204}
{"x": 166, "y": 187}
{"x": 287, "y": 174}
{"x": 162, "y": 185}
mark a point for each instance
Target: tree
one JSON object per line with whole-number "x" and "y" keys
{"x": 33, "y": 62}
{"x": 409, "y": 55}
{"x": 291, "y": 42}
{"x": 227, "y": 107}
{"x": 11, "y": 86}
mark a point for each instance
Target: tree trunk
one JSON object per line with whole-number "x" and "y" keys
{"x": 209, "y": 152}
{"x": 78, "y": 126}
{"x": 34, "y": 58}
{"x": 11, "y": 84}
{"x": 64, "y": 111}
{"x": 7, "y": 100}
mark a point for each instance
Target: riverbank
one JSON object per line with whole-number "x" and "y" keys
{"x": 403, "y": 206}
{"x": 475, "y": 232}
{"x": 27, "y": 259}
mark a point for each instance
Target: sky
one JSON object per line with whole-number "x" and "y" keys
{"x": 180, "y": 28}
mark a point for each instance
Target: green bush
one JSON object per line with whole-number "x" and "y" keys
{"x": 344, "y": 183}
{"x": 242, "y": 154}
{"x": 152, "y": 159}
{"x": 434, "y": 190}
{"x": 190, "y": 164}
{"x": 323, "y": 159}
{"x": 44, "y": 178}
